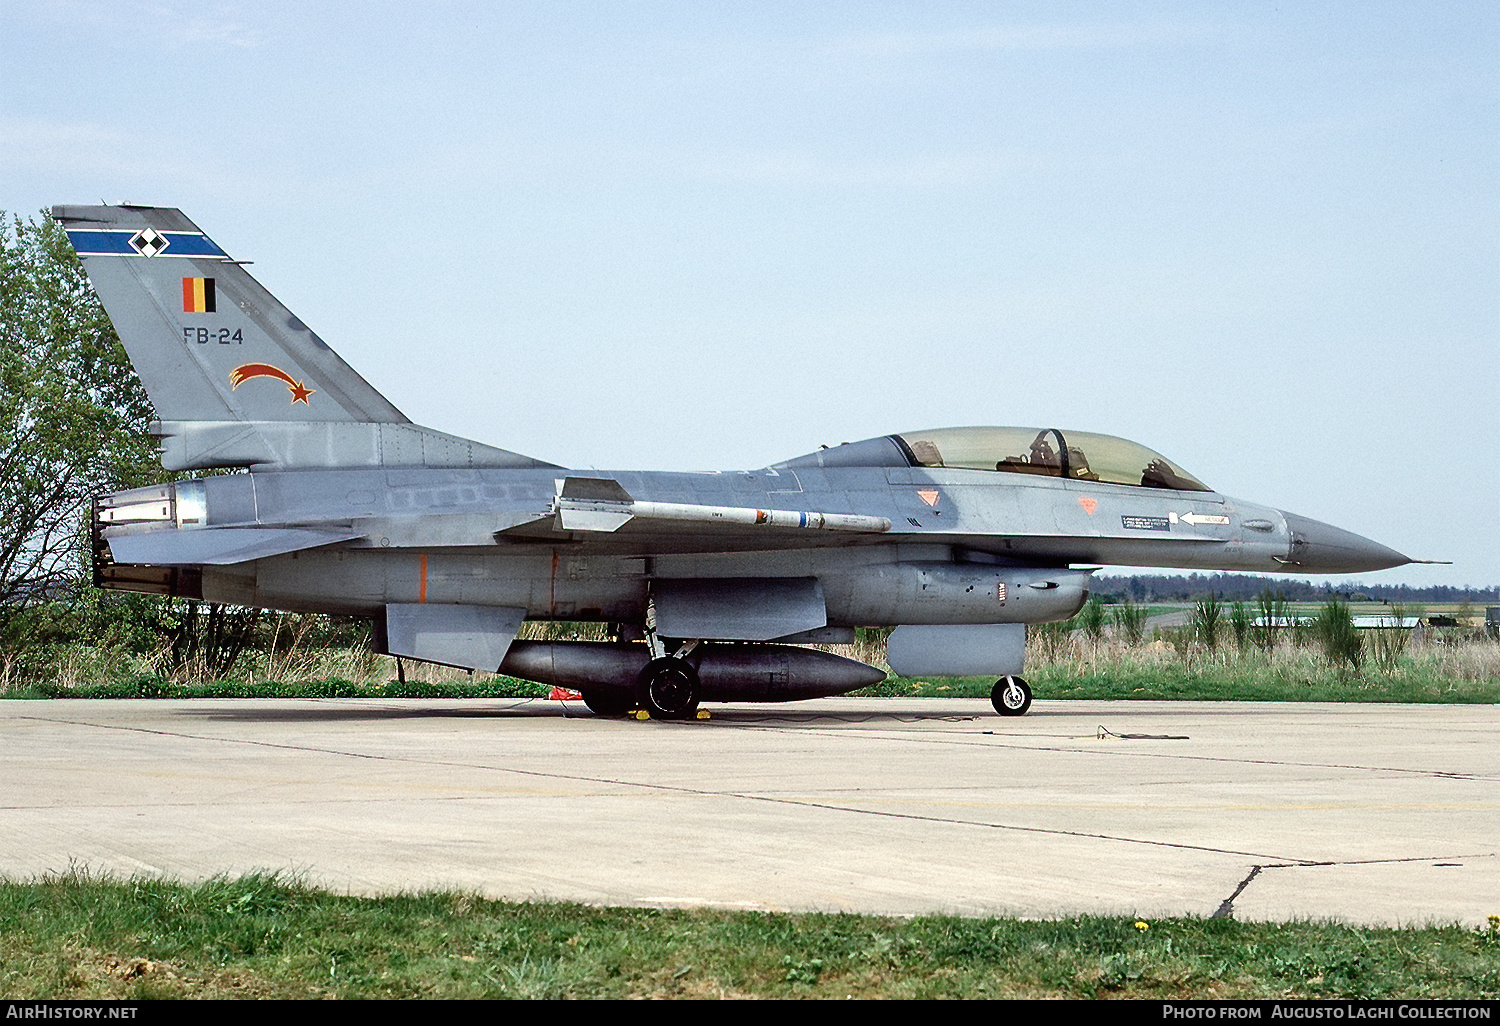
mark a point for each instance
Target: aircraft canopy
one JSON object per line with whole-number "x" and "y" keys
{"x": 1078, "y": 455}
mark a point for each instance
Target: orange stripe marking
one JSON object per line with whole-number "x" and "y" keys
{"x": 422, "y": 593}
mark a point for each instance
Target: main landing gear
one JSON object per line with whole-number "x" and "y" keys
{"x": 668, "y": 688}
{"x": 1011, "y": 696}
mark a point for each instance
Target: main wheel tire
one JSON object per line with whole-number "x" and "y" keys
{"x": 1011, "y": 696}
{"x": 608, "y": 702}
{"x": 668, "y": 689}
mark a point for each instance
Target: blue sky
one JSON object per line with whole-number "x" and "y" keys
{"x": 1260, "y": 238}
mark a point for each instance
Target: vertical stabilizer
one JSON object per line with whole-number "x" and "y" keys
{"x": 209, "y": 342}
{"x": 235, "y": 377}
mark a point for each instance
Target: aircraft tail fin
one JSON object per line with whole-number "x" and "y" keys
{"x": 209, "y": 342}
{"x": 235, "y": 377}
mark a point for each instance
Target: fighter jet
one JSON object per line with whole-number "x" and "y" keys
{"x": 714, "y": 583}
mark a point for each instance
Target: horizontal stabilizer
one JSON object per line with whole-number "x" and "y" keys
{"x": 218, "y": 545}
{"x": 275, "y": 445}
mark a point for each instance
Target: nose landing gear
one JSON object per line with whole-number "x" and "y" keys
{"x": 1011, "y": 696}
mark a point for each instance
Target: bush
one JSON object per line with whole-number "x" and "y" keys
{"x": 1130, "y": 621}
{"x": 1240, "y": 623}
{"x": 1273, "y": 614}
{"x": 1388, "y": 643}
{"x": 1091, "y": 620}
{"x": 1052, "y": 637}
{"x": 1337, "y": 636}
{"x": 1208, "y": 621}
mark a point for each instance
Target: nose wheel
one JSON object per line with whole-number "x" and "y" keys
{"x": 668, "y": 689}
{"x": 1011, "y": 696}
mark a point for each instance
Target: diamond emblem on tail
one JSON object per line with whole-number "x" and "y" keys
{"x": 148, "y": 242}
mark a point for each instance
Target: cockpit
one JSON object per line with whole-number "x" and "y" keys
{"x": 1076, "y": 455}
{"x": 1048, "y": 452}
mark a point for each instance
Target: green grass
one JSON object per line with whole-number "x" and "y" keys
{"x": 145, "y": 686}
{"x": 1462, "y": 674}
{"x": 1252, "y": 682}
{"x": 1449, "y": 669}
{"x": 76, "y": 937}
{"x": 1178, "y": 683}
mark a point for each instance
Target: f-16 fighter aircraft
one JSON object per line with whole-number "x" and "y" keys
{"x": 957, "y": 537}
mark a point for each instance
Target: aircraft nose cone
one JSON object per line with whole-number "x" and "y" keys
{"x": 1322, "y": 548}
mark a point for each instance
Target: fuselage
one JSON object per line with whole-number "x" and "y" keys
{"x": 964, "y": 546}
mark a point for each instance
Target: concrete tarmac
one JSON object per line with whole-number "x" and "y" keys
{"x": 1371, "y": 814}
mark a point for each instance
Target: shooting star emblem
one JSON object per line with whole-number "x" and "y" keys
{"x": 245, "y": 371}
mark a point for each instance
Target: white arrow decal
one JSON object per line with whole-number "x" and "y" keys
{"x": 1203, "y": 518}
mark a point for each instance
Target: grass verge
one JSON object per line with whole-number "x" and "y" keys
{"x": 1463, "y": 674}
{"x": 145, "y": 686}
{"x": 77, "y": 937}
{"x": 1109, "y": 682}
{"x": 1181, "y": 684}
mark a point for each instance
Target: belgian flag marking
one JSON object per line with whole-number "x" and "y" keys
{"x": 198, "y": 296}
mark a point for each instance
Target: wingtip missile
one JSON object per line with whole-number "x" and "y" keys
{"x": 603, "y": 505}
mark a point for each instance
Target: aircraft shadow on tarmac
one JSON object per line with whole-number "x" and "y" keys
{"x": 543, "y": 709}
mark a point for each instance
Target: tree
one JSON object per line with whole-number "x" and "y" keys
{"x": 72, "y": 413}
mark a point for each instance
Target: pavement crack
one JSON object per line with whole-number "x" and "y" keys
{"x": 1270, "y": 861}
{"x": 1226, "y": 907}
{"x": 989, "y": 739}
{"x": 948, "y": 820}
{"x": 689, "y": 791}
